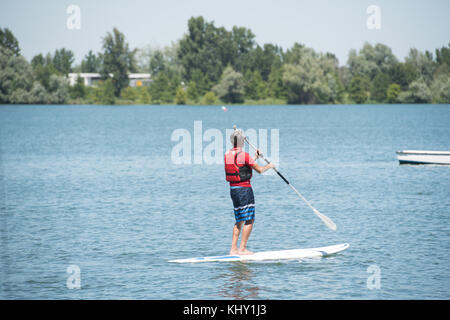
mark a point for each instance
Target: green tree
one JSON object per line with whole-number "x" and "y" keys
{"x": 440, "y": 89}
{"x": 194, "y": 51}
{"x": 208, "y": 49}
{"x": 403, "y": 74}
{"x": 157, "y": 63}
{"x": 231, "y": 86}
{"x": 181, "y": 96}
{"x": 9, "y": 41}
{"x": 118, "y": 60}
{"x": 91, "y": 63}
{"x": 263, "y": 59}
{"x": 255, "y": 87}
{"x": 129, "y": 95}
{"x": 379, "y": 87}
{"x": 275, "y": 86}
{"x": 202, "y": 82}
{"x": 358, "y": 89}
{"x": 294, "y": 54}
{"x": 371, "y": 60}
{"x": 156, "y": 60}
{"x": 393, "y": 92}
{"x": 17, "y": 83}
{"x": 161, "y": 89}
{"x": 240, "y": 53}
{"x": 443, "y": 55}
{"x": 300, "y": 82}
{"x": 336, "y": 94}
{"x": 107, "y": 92}
{"x": 63, "y": 60}
{"x": 43, "y": 69}
{"x": 38, "y": 94}
{"x": 382, "y": 56}
{"x": 422, "y": 63}
{"x": 37, "y": 60}
{"x": 360, "y": 66}
{"x": 418, "y": 92}
{"x": 192, "y": 91}
{"x": 209, "y": 98}
{"x": 16, "y": 79}
{"x": 144, "y": 95}
{"x": 78, "y": 90}
{"x": 308, "y": 78}
{"x": 58, "y": 91}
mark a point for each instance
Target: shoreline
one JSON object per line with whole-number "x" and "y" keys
{"x": 231, "y": 105}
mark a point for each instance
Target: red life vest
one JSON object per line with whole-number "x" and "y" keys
{"x": 233, "y": 171}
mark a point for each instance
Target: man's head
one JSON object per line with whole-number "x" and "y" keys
{"x": 237, "y": 138}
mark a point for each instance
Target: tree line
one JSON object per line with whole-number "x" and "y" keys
{"x": 213, "y": 65}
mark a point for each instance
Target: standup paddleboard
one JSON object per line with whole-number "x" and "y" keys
{"x": 272, "y": 255}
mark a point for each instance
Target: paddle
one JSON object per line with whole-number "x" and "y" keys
{"x": 328, "y": 222}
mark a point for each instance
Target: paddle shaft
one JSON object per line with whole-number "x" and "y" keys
{"x": 281, "y": 176}
{"x": 267, "y": 161}
{"x": 328, "y": 222}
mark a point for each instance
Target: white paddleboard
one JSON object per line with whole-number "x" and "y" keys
{"x": 272, "y": 255}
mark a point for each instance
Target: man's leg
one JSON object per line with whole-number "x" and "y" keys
{"x": 246, "y": 231}
{"x": 236, "y": 231}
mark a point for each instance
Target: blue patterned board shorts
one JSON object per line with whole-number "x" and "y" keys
{"x": 243, "y": 203}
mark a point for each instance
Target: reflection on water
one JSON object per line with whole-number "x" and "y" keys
{"x": 238, "y": 282}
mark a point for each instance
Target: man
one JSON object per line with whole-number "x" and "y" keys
{"x": 238, "y": 171}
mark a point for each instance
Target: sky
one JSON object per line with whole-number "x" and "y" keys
{"x": 334, "y": 26}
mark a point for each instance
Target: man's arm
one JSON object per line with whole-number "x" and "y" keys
{"x": 260, "y": 169}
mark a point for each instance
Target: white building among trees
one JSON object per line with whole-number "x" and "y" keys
{"x": 91, "y": 79}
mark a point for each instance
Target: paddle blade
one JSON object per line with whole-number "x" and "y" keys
{"x": 328, "y": 222}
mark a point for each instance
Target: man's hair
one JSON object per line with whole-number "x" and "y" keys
{"x": 237, "y": 138}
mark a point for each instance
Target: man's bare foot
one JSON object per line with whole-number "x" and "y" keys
{"x": 244, "y": 252}
{"x": 234, "y": 252}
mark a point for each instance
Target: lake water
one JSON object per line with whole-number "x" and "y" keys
{"x": 96, "y": 187}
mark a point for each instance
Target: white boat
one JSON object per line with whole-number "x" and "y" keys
{"x": 423, "y": 157}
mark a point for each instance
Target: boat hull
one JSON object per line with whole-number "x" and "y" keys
{"x": 423, "y": 157}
